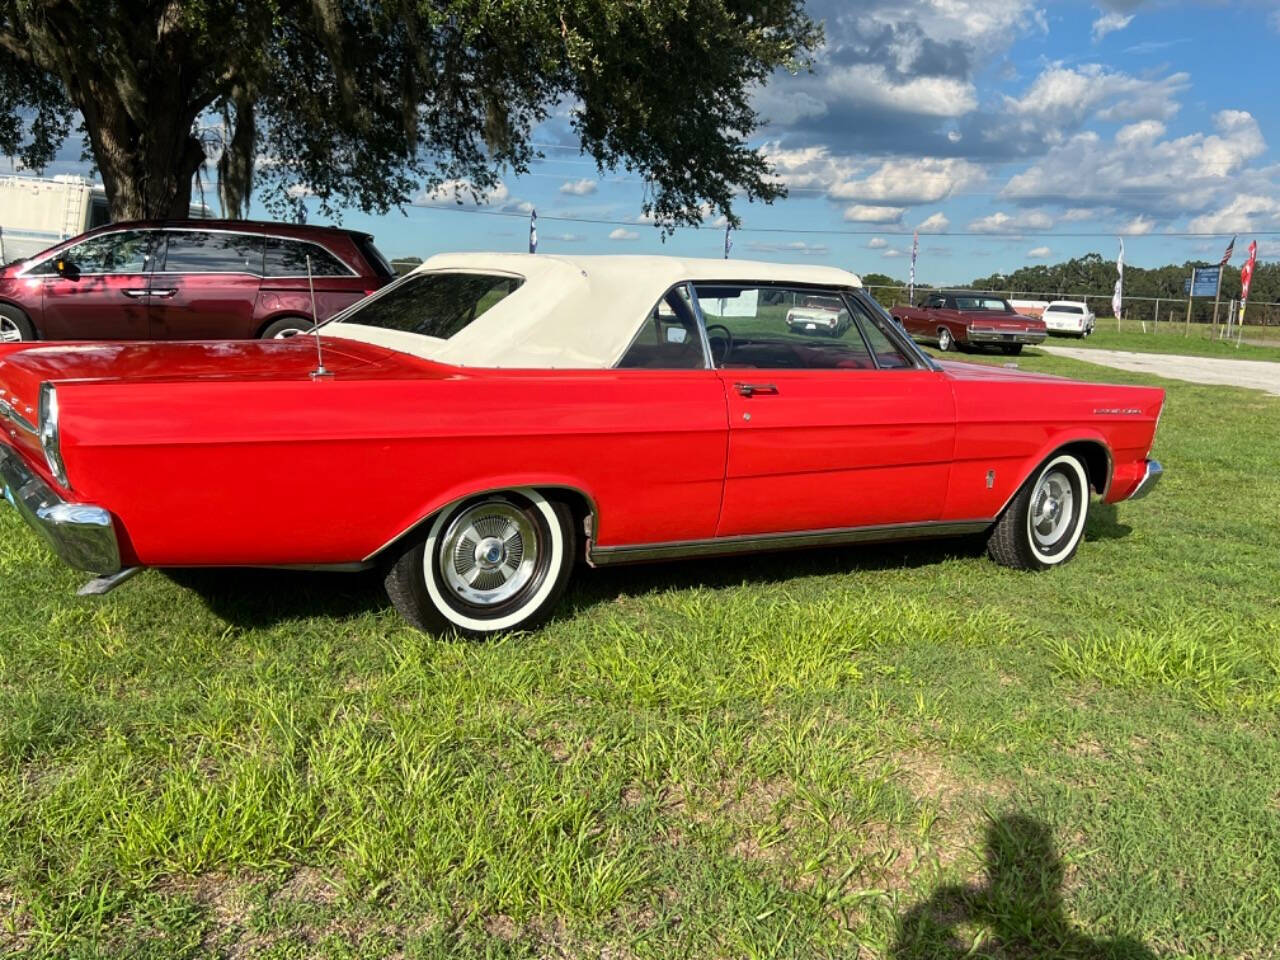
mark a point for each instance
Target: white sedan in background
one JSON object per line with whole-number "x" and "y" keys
{"x": 1069, "y": 317}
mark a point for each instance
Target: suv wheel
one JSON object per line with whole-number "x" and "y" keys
{"x": 287, "y": 327}
{"x": 14, "y": 325}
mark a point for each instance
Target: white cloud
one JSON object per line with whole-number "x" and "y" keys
{"x": 1001, "y": 222}
{"x": 1143, "y": 172}
{"x": 1274, "y": 20}
{"x": 891, "y": 253}
{"x": 621, "y": 233}
{"x": 934, "y": 223}
{"x": 861, "y": 213}
{"x": 567, "y": 237}
{"x": 877, "y": 243}
{"x": 910, "y": 181}
{"x": 799, "y": 246}
{"x": 1079, "y": 214}
{"x": 464, "y": 193}
{"x": 1110, "y": 23}
{"x": 1039, "y": 253}
{"x": 579, "y": 188}
{"x": 1138, "y": 225}
{"x": 1062, "y": 98}
{"x": 1246, "y": 212}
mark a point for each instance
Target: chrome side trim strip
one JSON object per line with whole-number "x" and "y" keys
{"x": 724, "y": 546}
{"x": 10, "y": 412}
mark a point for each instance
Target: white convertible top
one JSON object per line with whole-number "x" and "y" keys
{"x": 570, "y": 312}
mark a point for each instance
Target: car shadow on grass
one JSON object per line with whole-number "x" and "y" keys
{"x": 594, "y": 586}
{"x": 1016, "y": 913}
{"x": 262, "y": 598}
{"x": 1103, "y": 523}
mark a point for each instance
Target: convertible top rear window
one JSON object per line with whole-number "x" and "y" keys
{"x": 435, "y": 304}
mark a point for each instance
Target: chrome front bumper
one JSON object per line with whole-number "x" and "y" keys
{"x": 1149, "y": 480}
{"x": 82, "y": 534}
{"x": 996, "y": 336}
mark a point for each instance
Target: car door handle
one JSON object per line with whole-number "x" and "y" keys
{"x": 134, "y": 292}
{"x": 164, "y": 292}
{"x": 756, "y": 389}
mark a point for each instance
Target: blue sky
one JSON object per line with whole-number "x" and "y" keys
{"x": 998, "y": 127}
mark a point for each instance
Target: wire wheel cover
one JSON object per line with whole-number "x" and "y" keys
{"x": 489, "y": 553}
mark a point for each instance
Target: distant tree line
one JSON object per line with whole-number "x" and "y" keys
{"x": 1095, "y": 276}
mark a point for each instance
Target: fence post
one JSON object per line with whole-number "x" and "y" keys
{"x": 1155, "y": 322}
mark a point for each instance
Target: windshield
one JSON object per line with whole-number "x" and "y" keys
{"x": 433, "y": 304}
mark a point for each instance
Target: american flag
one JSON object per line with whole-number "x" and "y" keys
{"x": 533, "y": 231}
{"x": 1226, "y": 255}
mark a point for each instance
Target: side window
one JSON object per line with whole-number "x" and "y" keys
{"x": 874, "y": 324}
{"x": 125, "y": 252}
{"x": 668, "y": 339}
{"x": 938, "y": 302}
{"x": 288, "y": 258}
{"x": 197, "y": 251}
{"x": 768, "y": 327}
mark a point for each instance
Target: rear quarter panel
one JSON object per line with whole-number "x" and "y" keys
{"x": 1009, "y": 426}
{"x": 330, "y": 471}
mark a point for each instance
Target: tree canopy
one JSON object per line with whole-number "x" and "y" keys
{"x": 362, "y": 104}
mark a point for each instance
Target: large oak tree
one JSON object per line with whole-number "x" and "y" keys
{"x": 362, "y": 102}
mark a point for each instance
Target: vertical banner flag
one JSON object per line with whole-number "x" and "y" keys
{"x": 728, "y": 240}
{"x": 1117, "y": 298}
{"x": 911, "y": 282}
{"x": 533, "y": 231}
{"x": 1227, "y": 254}
{"x": 1246, "y": 278}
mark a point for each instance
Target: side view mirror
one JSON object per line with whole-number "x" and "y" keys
{"x": 66, "y": 268}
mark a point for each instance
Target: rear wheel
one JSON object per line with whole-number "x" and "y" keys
{"x": 285, "y": 328}
{"x": 1043, "y": 524}
{"x": 945, "y": 340}
{"x": 495, "y": 562}
{"x": 1011, "y": 349}
{"x": 15, "y": 327}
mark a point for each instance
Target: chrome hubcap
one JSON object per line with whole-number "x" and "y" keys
{"x": 9, "y": 332}
{"x": 489, "y": 553}
{"x": 1052, "y": 508}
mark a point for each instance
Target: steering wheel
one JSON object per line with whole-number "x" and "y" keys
{"x": 726, "y": 337}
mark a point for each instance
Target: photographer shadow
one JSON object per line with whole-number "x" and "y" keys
{"x": 1016, "y": 913}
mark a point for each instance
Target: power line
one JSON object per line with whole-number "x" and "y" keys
{"x": 884, "y": 232}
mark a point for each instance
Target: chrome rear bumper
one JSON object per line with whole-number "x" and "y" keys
{"x": 82, "y": 534}
{"x": 1149, "y": 480}
{"x": 996, "y": 336}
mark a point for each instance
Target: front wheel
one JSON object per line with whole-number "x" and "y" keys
{"x": 1043, "y": 524}
{"x": 495, "y": 562}
{"x": 14, "y": 326}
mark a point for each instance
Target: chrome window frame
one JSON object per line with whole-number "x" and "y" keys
{"x": 30, "y": 265}
{"x": 897, "y": 336}
{"x": 698, "y": 322}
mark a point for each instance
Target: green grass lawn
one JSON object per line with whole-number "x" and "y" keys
{"x": 1261, "y": 343}
{"x": 899, "y": 752}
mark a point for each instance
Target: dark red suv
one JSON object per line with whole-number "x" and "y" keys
{"x": 187, "y": 280}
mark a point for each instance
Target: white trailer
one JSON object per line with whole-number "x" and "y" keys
{"x": 37, "y": 212}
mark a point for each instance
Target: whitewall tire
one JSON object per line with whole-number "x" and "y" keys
{"x": 1044, "y": 523}
{"x": 492, "y": 563}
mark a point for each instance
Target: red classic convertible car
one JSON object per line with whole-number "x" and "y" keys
{"x": 482, "y": 424}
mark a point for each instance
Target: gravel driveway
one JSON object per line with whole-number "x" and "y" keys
{"x": 1255, "y": 374}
